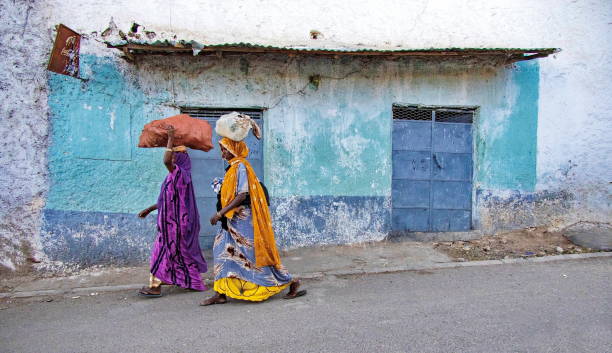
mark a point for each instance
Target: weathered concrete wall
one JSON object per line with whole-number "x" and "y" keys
{"x": 98, "y": 176}
{"x": 542, "y": 138}
{"x": 327, "y": 148}
{"x": 23, "y": 128}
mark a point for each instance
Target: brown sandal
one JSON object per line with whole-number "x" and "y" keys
{"x": 293, "y": 290}
{"x": 147, "y": 292}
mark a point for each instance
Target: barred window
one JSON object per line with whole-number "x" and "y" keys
{"x": 215, "y": 113}
{"x": 437, "y": 114}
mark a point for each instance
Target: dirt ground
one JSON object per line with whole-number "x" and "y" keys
{"x": 536, "y": 241}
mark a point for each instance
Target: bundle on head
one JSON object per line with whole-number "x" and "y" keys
{"x": 235, "y": 126}
{"x": 191, "y": 132}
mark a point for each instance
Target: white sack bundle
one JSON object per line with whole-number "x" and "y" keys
{"x": 235, "y": 126}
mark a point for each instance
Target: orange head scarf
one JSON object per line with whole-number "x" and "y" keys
{"x": 266, "y": 253}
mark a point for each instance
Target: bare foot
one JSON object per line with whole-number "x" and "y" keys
{"x": 293, "y": 290}
{"x": 215, "y": 299}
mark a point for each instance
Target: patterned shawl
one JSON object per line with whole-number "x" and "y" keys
{"x": 266, "y": 253}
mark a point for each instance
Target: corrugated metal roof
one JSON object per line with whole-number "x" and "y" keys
{"x": 511, "y": 54}
{"x": 141, "y": 45}
{"x": 140, "y": 41}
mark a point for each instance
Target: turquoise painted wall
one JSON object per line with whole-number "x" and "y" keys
{"x": 507, "y": 145}
{"x": 93, "y": 160}
{"x": 327, "y": 140}
{"x": 341, "y": 151}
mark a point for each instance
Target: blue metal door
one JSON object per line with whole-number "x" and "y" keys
{"x": 208, "y": 165}
{"x": 432, "y": 169}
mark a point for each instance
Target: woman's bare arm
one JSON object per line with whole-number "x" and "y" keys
{"x": 237, "y": 201}
{"x": 146, "y": 211}
{"x": 168, "y": 153}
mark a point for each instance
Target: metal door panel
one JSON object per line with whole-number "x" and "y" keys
{"x": 215, "y": 153}
{"x": 451, "y": 194}
{"x": 449, "y": 137}
{"x": 254, "y": 145}
{"x": 412, "y": 135}
{"x": 452, "y": 166}
{"x": 207, "y": 208}
{"x": 411, "y": 165}
{"x": 205, "y": 166}
{"x": 410, "y": 219}
{"x": 450, "y": 220}
{"x": 258, "y": 168}
{"x": 410, "y": 193}
{"x": 432, "y": 170}
{"x": 203, "y": 170}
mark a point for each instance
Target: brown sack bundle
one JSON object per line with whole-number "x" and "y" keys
{"x": 191, "y": 132}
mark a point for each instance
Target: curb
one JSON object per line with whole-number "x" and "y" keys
{"x": 318, "y": 275}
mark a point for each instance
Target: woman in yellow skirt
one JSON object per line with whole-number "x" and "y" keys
{"x": 246, "y": 261}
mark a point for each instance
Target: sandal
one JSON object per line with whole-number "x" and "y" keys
{"x": 297, "y": 294}
{"x": 147, "y": 292}
{"x": 293, "y": 290}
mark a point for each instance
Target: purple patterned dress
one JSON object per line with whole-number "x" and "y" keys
{"x": 176, "y": 257}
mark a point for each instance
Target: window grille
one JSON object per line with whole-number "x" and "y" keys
{"x": 215, "y": 113}
{"x": 411, "y": 113}
{"x": 442, "y": 115}
{"x": 454, "y": 116}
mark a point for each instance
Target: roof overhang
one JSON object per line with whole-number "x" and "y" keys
{"x": 508, "y": 55}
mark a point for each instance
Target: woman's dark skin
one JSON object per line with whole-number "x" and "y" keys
{"x": 169, "y": 154}
{"x": 237, "y": 201}
{"x": 169, "y": 163}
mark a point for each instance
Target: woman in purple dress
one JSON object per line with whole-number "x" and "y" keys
{"x": 176, "y": 258}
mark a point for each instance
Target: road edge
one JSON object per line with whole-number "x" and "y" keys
{"x": 85, "y": 291}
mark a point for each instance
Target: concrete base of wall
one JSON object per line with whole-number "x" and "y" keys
{"x": 322, "y": 220}
{"x": 82, "y": 239}
{"x": 508, "y": 210}
{"x": 435, "y": 236}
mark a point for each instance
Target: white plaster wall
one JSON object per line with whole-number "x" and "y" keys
{"x": 575, "y": 110}
{"x": 25, "y": 41}
{"x": 391, "y": 23}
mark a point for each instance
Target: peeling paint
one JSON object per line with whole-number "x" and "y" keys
{"x": 513, "y": 209}
{"x": 327, "y": 152}
{"x": 309, "y": 221}
{"x": 83, "y": 239}
{"x": 542, "y": 127}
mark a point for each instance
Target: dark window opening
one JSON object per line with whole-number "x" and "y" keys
{"x": 437, "y": 114}
{"x": 215, "y": 113}
{"x": 411, "y": 113}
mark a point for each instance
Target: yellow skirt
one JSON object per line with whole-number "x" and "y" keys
{"x": 240, "y": 289}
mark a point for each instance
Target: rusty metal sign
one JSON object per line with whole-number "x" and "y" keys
{"x": 65, "y": 55}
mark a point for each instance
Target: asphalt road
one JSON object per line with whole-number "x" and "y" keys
{"x": 546, "y": 307}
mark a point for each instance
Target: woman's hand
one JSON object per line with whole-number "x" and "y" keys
{"x": 144, "y": 213}
{"x": 169, "y": 145}
{"x": 215, "y": 218}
